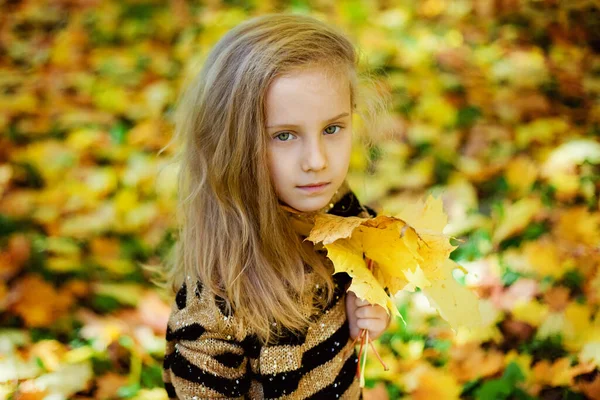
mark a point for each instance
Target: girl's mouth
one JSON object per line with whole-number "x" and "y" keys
{"x": 314, "y": 187}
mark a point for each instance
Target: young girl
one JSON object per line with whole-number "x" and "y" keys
{"x": 266, "y": 134}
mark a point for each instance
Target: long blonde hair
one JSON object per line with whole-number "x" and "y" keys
{"x": 233, "y": 235}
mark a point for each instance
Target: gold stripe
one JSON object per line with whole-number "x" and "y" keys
{"x": 326, "y": 326}
{"x": 322, "y": 376}
{"x": 277, "y": 359}
{"x": 187, "y": 390}
{"x": 354, "y": 391}
{"x": 213, "y": 346}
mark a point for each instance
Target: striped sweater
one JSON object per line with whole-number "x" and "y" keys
{"x": 204, "y": 359}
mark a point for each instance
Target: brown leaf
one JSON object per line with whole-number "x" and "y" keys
{"x": 557, "y": 297}
{"x": 42, "y": 309}
{"x": 469, "y": 361}
{"x": 109, "y": 384}
{"x": 14, "y": 256}
{"x": 590, "y": 389}
{"x": 28, "y": 390}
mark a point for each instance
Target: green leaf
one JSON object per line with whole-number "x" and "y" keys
{"x": 533, "y": 231}
{"x": 38, "y": 334}
{"x": 7, "y": 225}
{"x": 118, "y": 132}
{"x": 470, "y": 387}
{"x": 513, "y": 373}
{"x": 105, "y": 304}
{"x": 496, "y": 389}
{"x": 509, "y": 277}
{"x": 40, "y": 363}
{"x": 126, "y": 341}
{"x": 549, "y": 348}
{"x": 467, "y": 116}
{"x": 477, "y": 245}
{"x": 573, "y": 279}
{"x": 394, "y": 391}
{"x": 151, "y": 376}
{"x": 370, "y": 383}
{"x": 128, "y": 391}
{"x": 504, "y": 386}
{"x": 101, "y": 365}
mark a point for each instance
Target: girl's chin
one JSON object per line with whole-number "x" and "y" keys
{"x": 308, "y": 206}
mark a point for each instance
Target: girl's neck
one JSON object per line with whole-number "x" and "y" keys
{"x": 304, "y": 221}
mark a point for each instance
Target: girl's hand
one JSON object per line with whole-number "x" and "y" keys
{"x": 363, "y": 315}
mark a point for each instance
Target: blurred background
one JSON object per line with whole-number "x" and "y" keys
{"x": 495, "y": 107}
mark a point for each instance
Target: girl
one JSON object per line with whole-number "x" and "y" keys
{"x": 266, "y": 133}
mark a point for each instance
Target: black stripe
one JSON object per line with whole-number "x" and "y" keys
{"x": 347, "y": 206}
{"x": 251, "y": 346}
{"x": 181, "y": 297}
{"x": 198, "y": 290}
{"x": 372, "y": 212}
{"x": 189, "y": 332}
{"x": 290, "y": 339}
{"x": 340, "y": 279}
{"x": 274, "y": 385}
{"x": 167, "y": 361}
{"x": 229, "y": 359}
{"x": 170, "y": 390}
{"x": 182, "y": 368}
{"x": 221, "y": 304}
{"x": 341, "y": 383}
{"x": 327, "y": 349}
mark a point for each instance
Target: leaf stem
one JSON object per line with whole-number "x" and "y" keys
{"x": 364, "y": 361}
{"x": 385, "y": 367}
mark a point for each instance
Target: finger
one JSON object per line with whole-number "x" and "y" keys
{"x": 372, "y": 324}
{"x": 354, "y": 331}
{"x": 371, "y": 312}
{"x": 359, "y": 302}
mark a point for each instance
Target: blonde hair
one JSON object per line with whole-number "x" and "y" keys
{"x": 233, "y": 236}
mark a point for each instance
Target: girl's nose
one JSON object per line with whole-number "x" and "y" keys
{"x": 315, "y": 157}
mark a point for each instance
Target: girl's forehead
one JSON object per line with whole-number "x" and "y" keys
{"x": 305, "y": 94}
{"x": 307, "y": 83}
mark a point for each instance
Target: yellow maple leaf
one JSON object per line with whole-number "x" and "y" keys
{"x": 406, "y": 252}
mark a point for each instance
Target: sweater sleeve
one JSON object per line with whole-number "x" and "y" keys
{"x": 203, "y": 358}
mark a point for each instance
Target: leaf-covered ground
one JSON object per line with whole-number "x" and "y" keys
{"x": 496, "y": 107}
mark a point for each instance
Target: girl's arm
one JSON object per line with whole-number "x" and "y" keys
{"x": 203, "y": 359}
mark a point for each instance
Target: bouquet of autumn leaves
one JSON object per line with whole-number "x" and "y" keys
{"x": 398, "y": 253}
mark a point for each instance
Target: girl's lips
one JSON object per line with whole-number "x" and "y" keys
{"x": 313, "y": 188}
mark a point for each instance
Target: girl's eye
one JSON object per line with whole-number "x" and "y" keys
{"x": 283, "y": 136}
{"x": 332, "y": 129}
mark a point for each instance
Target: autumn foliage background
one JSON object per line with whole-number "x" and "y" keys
{"x": 496, "y": 108}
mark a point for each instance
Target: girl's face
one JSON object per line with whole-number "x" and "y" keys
{"x": 309, "y": 123}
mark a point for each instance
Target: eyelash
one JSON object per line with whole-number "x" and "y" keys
{"x": 339, "y": 126}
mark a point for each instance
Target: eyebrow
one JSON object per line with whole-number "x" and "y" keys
{"x": 295, "y": 126}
